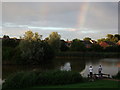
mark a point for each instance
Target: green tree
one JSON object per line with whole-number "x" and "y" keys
{"x": 30, "y": 36}
{"x": 37, "y": 36}
{"x": 102, "y": 39}
{"x": 46, "y": 39}
{"x": 87, "y": 39}
{"x": 33, "y": 50}
{"x": 112, "y": 38}
{"x": 77, "y": 45}
{"x": 54, "y": 40}
{"x": 109, "y": 36}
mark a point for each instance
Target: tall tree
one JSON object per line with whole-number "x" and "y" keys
{"x": 30, "y": 36}
{"x": 109, "y": 36}
{"x": 54, "y": 40}
{"x": 34, "y": 50}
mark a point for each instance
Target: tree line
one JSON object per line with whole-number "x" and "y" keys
{"x": 31, "y": 49}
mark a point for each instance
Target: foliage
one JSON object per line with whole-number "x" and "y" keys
{"x": 8, "y": 47}
{"x": 16, "y": 58}
{"x": 77, "y": 45}
{"x": 20, "y": 80}
{"x": 35, "y": 52}
{"x": 30, "y": 79}
{"x": 30, "y": 36}
{"x": 10, "y": 42}
{"x": 96, "y": 47}
{"x": 110, "y": 37}
{"x": 113, "y": 38}
{"x": 54, "y": 41}
{"x": 112, "y": 49}
{"x": 31, "y": 48}
{"x": 59, "y": 78}
{"x": 87, "y": 39}
{"x": 7, "y": 53}
{"x": 102, "y": 39}
{"x": 117, "y": 36}
{"x": 63, "y": 46}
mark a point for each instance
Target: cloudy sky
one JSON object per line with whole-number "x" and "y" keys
{"x": 70, "y": 19}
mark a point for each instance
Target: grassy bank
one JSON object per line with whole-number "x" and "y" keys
{"x": 88, "y": 54}
{"x": 96, "y": 84}
{"x": 55, "y": 79}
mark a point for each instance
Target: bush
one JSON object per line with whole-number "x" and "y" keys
{"x": 59, "y": 78}
{"x": 30, "y": 79}
{"x": 20, "y": 80}
{"x": 13, "y": 81}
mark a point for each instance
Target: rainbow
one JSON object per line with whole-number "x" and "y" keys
{"x": 82, "y": 14}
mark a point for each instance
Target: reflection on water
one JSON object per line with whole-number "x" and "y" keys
{"x": 66, "y": 67}
{"x": 74, "y": 64}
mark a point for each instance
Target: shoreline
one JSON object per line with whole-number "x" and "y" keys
{"x": 88, "y": 54}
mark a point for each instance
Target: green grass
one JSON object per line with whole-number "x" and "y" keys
{"x": 95, "y": 84}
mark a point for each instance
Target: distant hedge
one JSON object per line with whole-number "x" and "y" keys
{"x": 34, "y": 78}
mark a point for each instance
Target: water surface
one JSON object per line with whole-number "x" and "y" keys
{"x": 110, "y": 66}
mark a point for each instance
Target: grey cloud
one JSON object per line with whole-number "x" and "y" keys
{"x": 100, "y": 17}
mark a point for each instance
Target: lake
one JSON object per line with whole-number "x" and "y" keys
{"x": 110, "y": 66}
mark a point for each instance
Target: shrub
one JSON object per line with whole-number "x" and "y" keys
{"x": 59, "y": 77}
{"x": 30, "y": 79}
{"x": 13, "y": 81}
